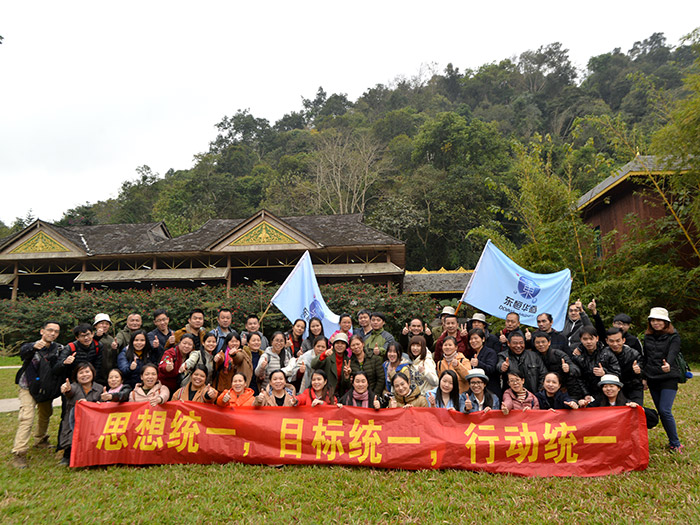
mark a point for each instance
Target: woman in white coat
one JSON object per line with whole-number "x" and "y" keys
{"x": 423, "y": 373}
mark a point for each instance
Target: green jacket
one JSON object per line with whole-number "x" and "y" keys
{"x": 380, "y": 339}
{"x": 330, "y": 367}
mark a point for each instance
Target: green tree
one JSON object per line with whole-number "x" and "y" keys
{"x": 137, "y": 197}
{"x": 678, "y": 143}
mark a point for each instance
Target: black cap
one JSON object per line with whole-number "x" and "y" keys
{"x": 622, "y": 318}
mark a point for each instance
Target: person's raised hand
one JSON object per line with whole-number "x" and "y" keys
{"x": 506, "y": 365}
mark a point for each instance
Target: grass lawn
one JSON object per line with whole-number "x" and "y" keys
{"x": 7, "y": 383}
{"x": 10, "y": 361}
{"x": 667, "y": 492}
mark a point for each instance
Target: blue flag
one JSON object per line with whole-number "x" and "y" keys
{"x": 299, "y": 297}
{"x": 499, "y": 286}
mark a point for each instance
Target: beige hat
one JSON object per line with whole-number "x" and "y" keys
{"x": 659, "y": 313}
{"x": 342, "y": 336}
{"x": 479, "y": 317}
{"x": 448, "y": 310}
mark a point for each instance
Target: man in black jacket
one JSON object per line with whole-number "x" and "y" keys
{"x": 594, "y": 360}
{"x": 32, "y": 354}
{"x": 517, "y": 357}
{"x": 85, "y": 349}
{"x": 630, "y": 365}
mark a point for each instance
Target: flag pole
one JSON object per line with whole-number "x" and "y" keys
{"x": 265, "y": 312}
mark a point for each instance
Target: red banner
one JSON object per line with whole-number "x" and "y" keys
{"x": 587, "y": 442}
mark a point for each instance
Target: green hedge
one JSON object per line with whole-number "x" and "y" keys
{"x": 20, "y": 321}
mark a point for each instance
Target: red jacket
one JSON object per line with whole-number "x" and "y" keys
{"x": 307, "y": 397}
{"x": 170, "y": 379}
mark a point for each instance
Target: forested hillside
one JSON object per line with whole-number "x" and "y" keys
{"x": 426, "y": 159}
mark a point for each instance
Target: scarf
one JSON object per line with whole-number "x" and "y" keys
{"x": 449, "y": 359}
{"x": 361, "y": 400}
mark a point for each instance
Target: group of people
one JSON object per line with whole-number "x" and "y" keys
{"x": 454, "y": 366}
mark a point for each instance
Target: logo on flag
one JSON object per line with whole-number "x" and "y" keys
{"x": 528, "y": 288}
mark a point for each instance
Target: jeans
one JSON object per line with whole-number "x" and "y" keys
{"x": 663, "y": 399}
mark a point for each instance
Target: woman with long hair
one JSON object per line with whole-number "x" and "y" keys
{"x": 172, "y": 367}
{"x": 404, "y": 394}
{"x": 423, "y": 371}
{"x": 231, "y": 359}
{"x": 315, "y": 330}
{"x": 134, "y": 356}
{"x": 295, "y": 337}
{"x": 395, "y": 363}
{"x": 446, "y": 394}
{"x": 320, "y": 345}
{"x": 367, "y": 362}
{"x": 318, "y": 393}
{"x": 204, "y": 357}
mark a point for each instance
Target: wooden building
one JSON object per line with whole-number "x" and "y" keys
{"x": 627, "y": 192}
{"x": 43, "y": 256}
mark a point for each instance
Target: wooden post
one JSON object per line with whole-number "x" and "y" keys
{"x": 155, "y": 267}
{"x": 228, "y": 277}
{"x": 82, "y": 285}
{"x": 15, "y": 284}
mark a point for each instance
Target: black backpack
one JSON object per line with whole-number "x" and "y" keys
{"x": 43, "y": 384}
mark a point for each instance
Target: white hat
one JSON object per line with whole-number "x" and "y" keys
{"x": 101, "y": 317}
{"x": 659, "y": 313}
{"x": 448, "y": 310}
{"x": 610, "y": 379}
{"x": 342, "y": 336}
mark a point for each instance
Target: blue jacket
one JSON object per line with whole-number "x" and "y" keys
{"x": 496, "y": 403}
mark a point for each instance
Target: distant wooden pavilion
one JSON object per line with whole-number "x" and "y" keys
{"x": 44, "y": 256}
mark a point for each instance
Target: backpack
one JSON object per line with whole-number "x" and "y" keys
{"x": 43, "y": 384}
{"x": 683, "y": 367}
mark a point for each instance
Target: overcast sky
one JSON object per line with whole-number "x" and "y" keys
{"x": 91, "y": 90}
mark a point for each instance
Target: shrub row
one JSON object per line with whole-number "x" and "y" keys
{"x": 20, "y": 320}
